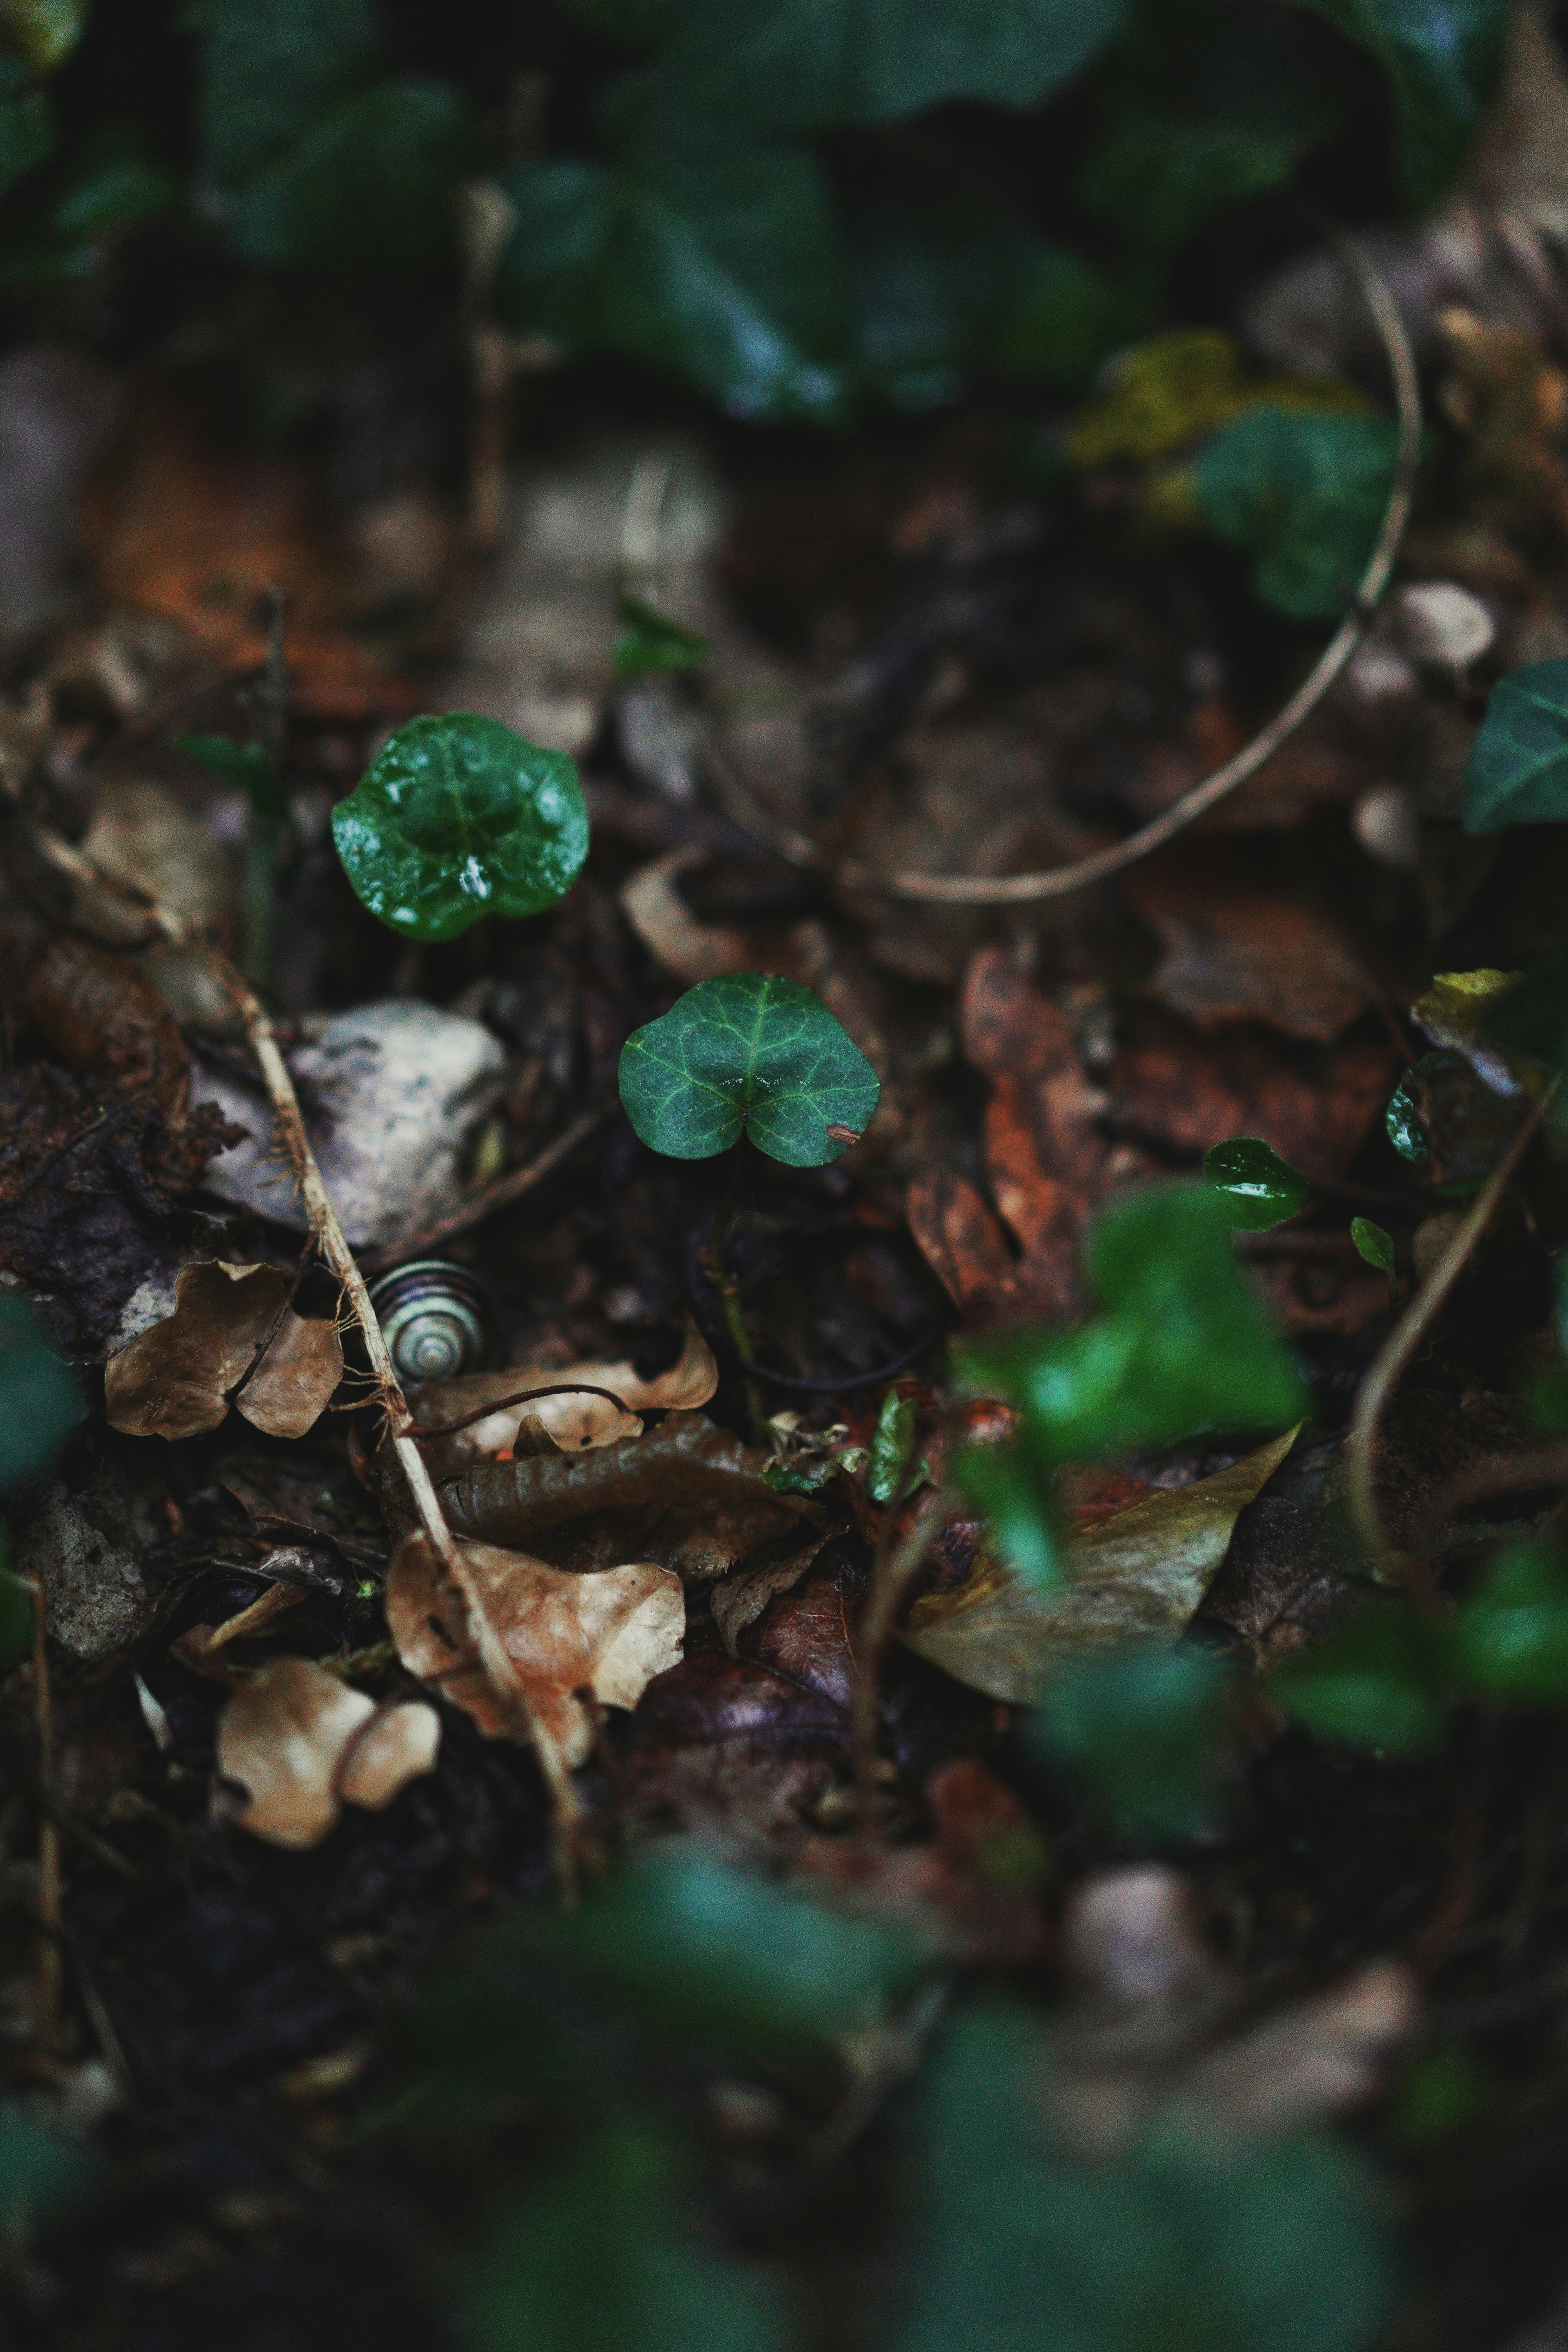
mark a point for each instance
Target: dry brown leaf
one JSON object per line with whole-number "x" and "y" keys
{"x": 1236, "y": 949}
{"x": 689, "y": 1497}
{"x": 1138, "y": 1576}
{"x": 175, "y": 1378}
{"x": 302, "y": 1743}
{"x": 608, "y": 1631}
{"x": 573, "y": 1421}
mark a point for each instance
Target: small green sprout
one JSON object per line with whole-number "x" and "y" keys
{"x": 1377, "y": 1246}
{"x": 648, "y": 641}
{"x": 1259, "y": 1189}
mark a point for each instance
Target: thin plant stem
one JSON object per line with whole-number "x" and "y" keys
{"x": 1406, "y": 1337}
{"x": 892, "y": 1574}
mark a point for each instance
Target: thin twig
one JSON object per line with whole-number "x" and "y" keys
{"x": 1058, "y": 881}
{"x": 485, "y": 1203}
{"x": 1407, "y": 1335}
{"x": 892, "y": 1576}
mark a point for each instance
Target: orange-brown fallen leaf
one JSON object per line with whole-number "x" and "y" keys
{"x": 176, "y": 1378}
{"x": 304, "y": 1743}
{"x": 606, "y": 1633}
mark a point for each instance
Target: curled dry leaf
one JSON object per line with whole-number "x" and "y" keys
{"x": 573, "y": 1421}
{"x": 176, "y": 1378}
{"x": 608, "y": 1631}
{"x": 304, "y": 1743}
{"x": 1136, "y": 1577}
{"x": 689, "y": 1497}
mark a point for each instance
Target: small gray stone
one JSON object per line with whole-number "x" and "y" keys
{"x": 392, "y": 1093}
{"x": 81, "y": 1548}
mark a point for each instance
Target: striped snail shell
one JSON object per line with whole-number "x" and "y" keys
{"x": 432, "y": 1317}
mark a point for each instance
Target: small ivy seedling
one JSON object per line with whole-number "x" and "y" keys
{"x": 1375, "y": 1244}
{"x": 648, "y": 641}
{"x": 458, "y": 818}
{"x": 748, "y": 1054}
{"x": 1258, "y": 1188}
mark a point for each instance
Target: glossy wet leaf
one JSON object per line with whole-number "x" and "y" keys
{"x": 889, "y": 1464}
{"x": 1449, "y": 1124}
{"x": 1375, "y": 1243}
{"x": 1510, "y": 1633}
{"x": 648, "y": 640}
{"x": 40, "y": 1397}
{"x": 599, "y": 2257}
{"x": 367, "y": 191}
{"x": 458, "y": 818}
{"x": 724, "y": 267}
{"x": 1146, "y": 1731}
{"x": 1382, "y": 1682}
{"x": 1518, "y": 772}
{"x": 1305, "y": 495}
{"x": 752, "y": 1055}
{"x": 1180, "y": 2238}
{"x": 271, "y": 68}
{"x": 1259, "y": 1189}
{"x": 801, "y": 64}
{"x": 1441, "y": 57}
{"x": 1138, "y": 1576}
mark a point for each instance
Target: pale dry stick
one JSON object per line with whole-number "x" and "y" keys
{"x": 1058, "y": 881}
{"x": 891, "y": 1577}
{"x": 1407, "y": 1335}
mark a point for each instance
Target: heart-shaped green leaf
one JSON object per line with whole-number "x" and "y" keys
{"x": 458, "y": 818}
{"x": 1519, "y": 768}
{"x": 748, "y": 1052}
{"x": 1258, "y": 1188}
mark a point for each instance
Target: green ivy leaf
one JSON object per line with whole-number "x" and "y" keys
{"x": 1259, "y": 1189}
{"x": 648, "y": 641}
{"x": 747, "y": 1052}
{"x": 1442, "y": 59}
{"x": 891, "y": 1445}
{"x": 458, "y": 818}
{"x": 367, "y": 190}
{"x": 598, "y": 2256}
{"x": 1518, "y": 772}
{"x": 725, "y": 267}
{"x": 1382, "y": 1682}
{"x": 1305, "y": 495}
{"x": 271, "y": 68}
{"x": 1181, "y": 2239}
{"x": 803, "y": 65}
{"x": 40, "y": 1398}
{"x": 1375, "y": 1243}
{"x": 1510, "y": 1633}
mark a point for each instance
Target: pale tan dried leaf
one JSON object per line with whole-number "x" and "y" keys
{"x": 608, "y": 1631}
{"x": 292, "y": 1385}
{"x": 574, "y": 1422}
{"x": 692, "y": 950}
{"x": 173, "y": 1380}
{"x": 293, "y": 1735}
{"x": 1137, "y": 1577}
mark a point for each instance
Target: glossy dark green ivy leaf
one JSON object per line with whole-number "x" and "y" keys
{"x": 889, "y": 1463}
{"x": 1518, "y": 772}
{"x": 1183, "y": 2239}
{"x": 40, "y": 1397}
{"x": 1305, "y": 494}
{"x": 724, "y": 267}
{"x": 648, "y": 640}
{"x": 458, "y": 818}
{"x": 368, "y": 190}
{"x": 1375, "y": 1243}
{"x": 1148, "y": 1732}
{"x": 752, "y": 1055}
{"x": 1259, "y": 1189}
{"x": 1449, "y": 1124}
{"x": 1510, "y": 1633}
{"x": 600, "y": 2255}
{"x": 1381, "y": 1682}
{"x": 802, "y": 65}
{"x": 1442, "y": 58}
{"x": 269, "y": 69}
{"x": 248, "y": 765}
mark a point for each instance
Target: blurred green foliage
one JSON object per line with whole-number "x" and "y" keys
{"x": 1305, "y": 496}
{"x": 1146, "y": 1730}
{"x": 1518, "y": 772}
{"x": 40, "y": 1397}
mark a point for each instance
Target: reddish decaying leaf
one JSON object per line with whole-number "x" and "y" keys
{"x": 1237, "y": 950}
{"x": 1183, "y": 1092}
{"x": 304, "y": 1743}
{"x": 606, "y": 1633}
{"x": 572, "y": 1421}
{"x": 175, "y": 1379}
